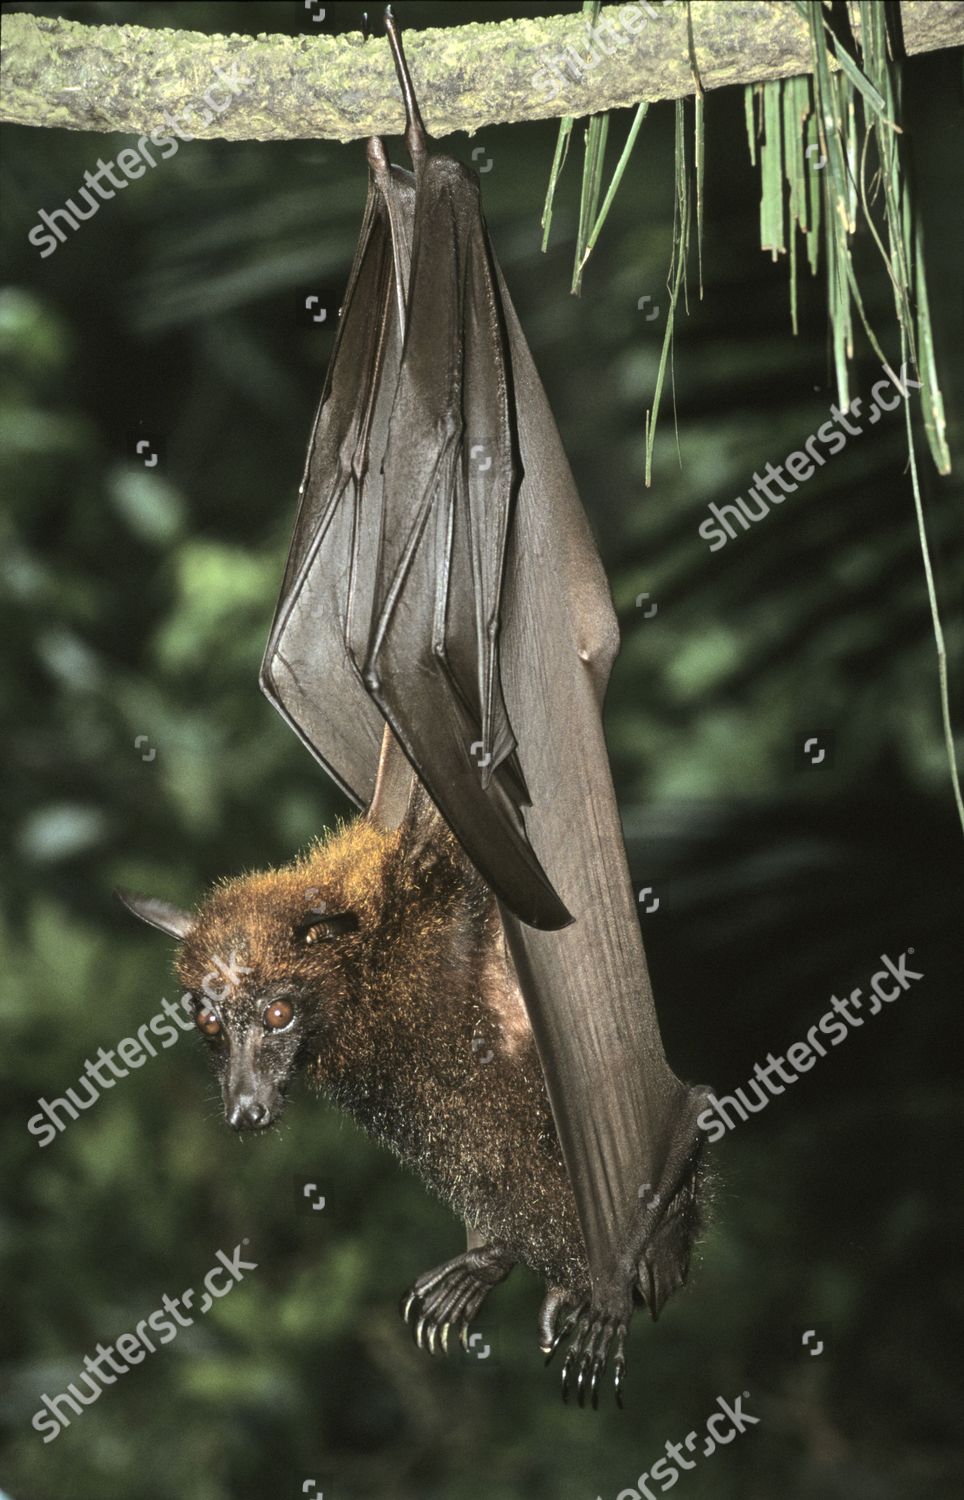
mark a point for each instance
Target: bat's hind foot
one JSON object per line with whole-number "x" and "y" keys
{"x": 451, "y": 1295}
{"x": 653, "y": 1264}
{"x": 597, "y": 1334}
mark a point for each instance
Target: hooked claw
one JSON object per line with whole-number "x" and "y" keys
{"x": 565, "y": 1328}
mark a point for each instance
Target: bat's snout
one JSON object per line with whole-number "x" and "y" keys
{"x": 248, "y": 1114}
{"x": 253, "y": 1088}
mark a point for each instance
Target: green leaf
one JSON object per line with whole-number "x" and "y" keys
{"x": 617, "y": 176}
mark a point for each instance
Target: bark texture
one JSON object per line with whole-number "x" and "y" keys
{"x": 134, "y": 79}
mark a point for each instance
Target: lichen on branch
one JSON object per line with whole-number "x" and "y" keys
{"x": 130, "y": 78}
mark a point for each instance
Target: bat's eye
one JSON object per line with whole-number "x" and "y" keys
{"x": 209, "y": 1022}
{"x": 278, "y": 1014}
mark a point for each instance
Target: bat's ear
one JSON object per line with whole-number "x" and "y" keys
{"x": 160, "y": 914}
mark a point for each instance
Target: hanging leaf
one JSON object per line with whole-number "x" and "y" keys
{"x": 675, "y": 282}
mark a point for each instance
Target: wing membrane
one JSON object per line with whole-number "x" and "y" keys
{"x": 322, "y": 624}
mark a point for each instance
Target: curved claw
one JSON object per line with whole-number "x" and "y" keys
{"x": 619, "y": 1367}
{"x": 597, "y": 1370}
{"x": 572, "y": 1355}
{"x": 566, "y": 1371}
{"x": 550, "y": 1352}
{"x": 406, "y": 1305}
{"x": 565, "y": 1328}
{"x": 444, "y": 1337}
{"x": 619, "y": 1364}
{"x": 581, "y": 1379}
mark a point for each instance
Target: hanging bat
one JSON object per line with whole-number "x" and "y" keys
{"x": 460, "y": 968}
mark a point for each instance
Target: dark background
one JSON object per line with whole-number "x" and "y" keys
{"x": 137, "y": 602}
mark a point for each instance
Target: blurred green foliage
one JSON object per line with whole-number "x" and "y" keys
{"x": 138, "y": 751}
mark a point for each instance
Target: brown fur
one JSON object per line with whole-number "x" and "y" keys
{"x": 413, "y": 1023}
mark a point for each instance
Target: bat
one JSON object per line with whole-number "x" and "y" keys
{"x": 442, "y": 645}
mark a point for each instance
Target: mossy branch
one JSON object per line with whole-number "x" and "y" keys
{"x": 128, "y": 78}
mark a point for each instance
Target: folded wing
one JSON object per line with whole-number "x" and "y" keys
{"x": 321, "y": 628}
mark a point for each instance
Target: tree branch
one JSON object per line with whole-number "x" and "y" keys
{"x": 137, "y": 80}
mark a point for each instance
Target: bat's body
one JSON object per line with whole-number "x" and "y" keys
{"x": 442, "y": 644}
{"x": 407, "y": 1015}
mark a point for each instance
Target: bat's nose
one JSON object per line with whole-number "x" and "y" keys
{"x": 248, "y": 1114}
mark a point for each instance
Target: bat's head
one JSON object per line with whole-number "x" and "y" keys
{"x": 272, "y": 962}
